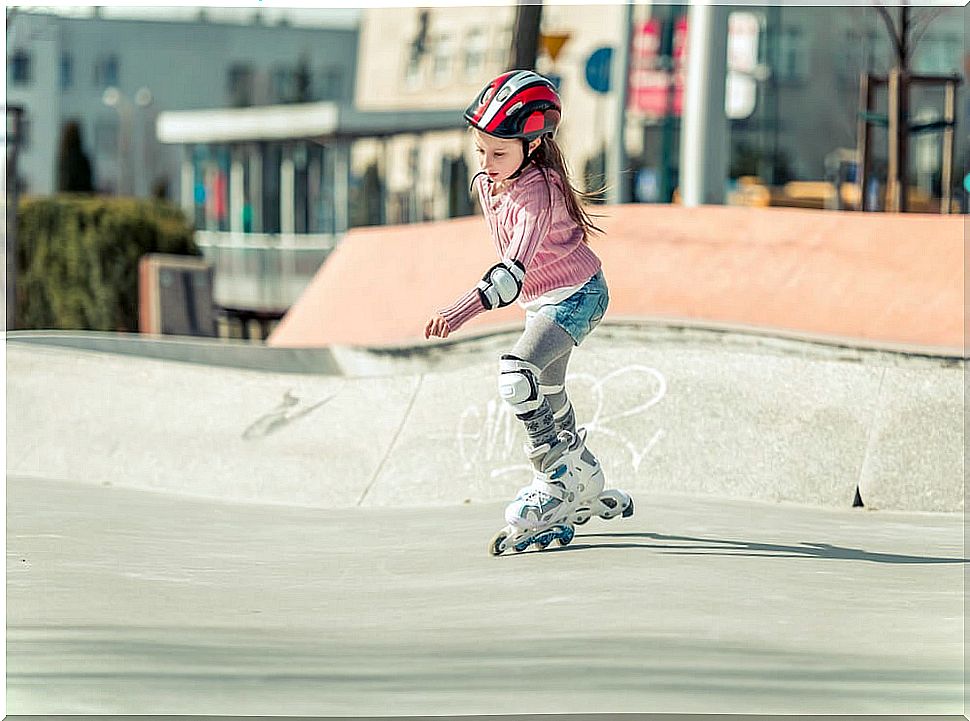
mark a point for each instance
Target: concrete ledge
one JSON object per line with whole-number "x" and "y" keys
{"x": 224, "y": 354}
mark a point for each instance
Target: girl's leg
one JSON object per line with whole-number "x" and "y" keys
{"x": 552, "y": 382}
{"x": 542, "y": 343}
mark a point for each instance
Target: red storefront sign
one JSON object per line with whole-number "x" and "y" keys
{"x": 649, "y": 92}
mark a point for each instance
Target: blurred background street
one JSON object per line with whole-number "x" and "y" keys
{"x": 276, "y": 130}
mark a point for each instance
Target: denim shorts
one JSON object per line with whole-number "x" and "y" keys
{"x": 582, "y": 311}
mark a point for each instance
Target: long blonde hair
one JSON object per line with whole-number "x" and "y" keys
{"x": 548, "y": 156}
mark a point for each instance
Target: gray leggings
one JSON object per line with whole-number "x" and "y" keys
{"x": 548, "y": 347}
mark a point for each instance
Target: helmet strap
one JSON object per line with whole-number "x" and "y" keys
{"x": 471, "y": 185}
{"x": 526, "y": 159}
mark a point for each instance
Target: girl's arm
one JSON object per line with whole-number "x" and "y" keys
{"x": 502, "y": 283}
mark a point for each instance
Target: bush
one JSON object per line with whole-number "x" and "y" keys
{"x": 77, "y": 258}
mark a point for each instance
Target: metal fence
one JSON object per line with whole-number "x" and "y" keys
{"x": 263, "y": 271}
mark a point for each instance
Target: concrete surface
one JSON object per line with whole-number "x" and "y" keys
{"x": 126, "y": 601}
{"x": 206, "y": 528}
{"x": 669, "y": 411}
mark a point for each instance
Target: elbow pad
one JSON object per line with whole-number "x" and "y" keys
{"x": 501, "y": 284}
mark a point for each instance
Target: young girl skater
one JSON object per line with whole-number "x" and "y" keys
{"x": 540, "y": 232}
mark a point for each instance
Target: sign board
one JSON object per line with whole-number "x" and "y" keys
{"x": 741, "y": 93}
{"x": 598, "y": 69}
{"x": 175, "y": 295}
{"x": 655, "y": 91}
{"x": 552, "y": 43}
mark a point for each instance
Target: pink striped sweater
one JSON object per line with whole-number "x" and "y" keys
{"x": 526, "y": 228}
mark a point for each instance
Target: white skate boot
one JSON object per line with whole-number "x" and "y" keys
{"x": 541, "y": 511}
{"x": 593, "y": 500}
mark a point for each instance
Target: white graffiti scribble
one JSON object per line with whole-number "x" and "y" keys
{"x": 487, "y": 435}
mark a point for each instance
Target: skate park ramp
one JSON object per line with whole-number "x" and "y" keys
{"x": 861, "y": 278}
{"x": 669, "y": 409}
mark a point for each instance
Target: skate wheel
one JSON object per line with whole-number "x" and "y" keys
{"x": 628, "y": 511}
{"x": 566, "y": 535}
{"x": 543, "y": 542}
{"x": 498, "y": 543}
{"x": 522, "y": 545}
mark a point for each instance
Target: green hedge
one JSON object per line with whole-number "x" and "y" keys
{"x": 77, "y": 258}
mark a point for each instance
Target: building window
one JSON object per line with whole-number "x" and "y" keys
{"x": 502, "y": 47}
{"x": 106, "y": 71}
{"x": 283, "y": 85}
{"x": 792, "y": 62}
{"x": 66, "y": 71}
{"x": 444, "y": 53}
{"x": 412, "y": 70}
{"x": 416, "y": 50}
{"x": 938, "y": 55}
{"x": 239, "y": 85}
{"x": 861, "y": 52}
{"x": 331, "y": 83}
{"x": 20, "y": 68}
{"x": 476, "y": 46}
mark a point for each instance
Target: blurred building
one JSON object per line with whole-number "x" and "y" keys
{"x": 792, "y": 92}
{"x": 441, "y": 57}
{"x": 116, "y": 76}
{"x": 277, "y": 138}
{"x": 59, "y": 67}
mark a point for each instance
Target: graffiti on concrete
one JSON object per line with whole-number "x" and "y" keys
{"x": 281, "y": 416}
{"x": 491, "y": 434}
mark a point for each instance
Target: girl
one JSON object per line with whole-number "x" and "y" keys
{"x": 540, "y": 231}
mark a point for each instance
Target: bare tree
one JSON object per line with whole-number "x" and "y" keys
{"x": 904, "y": 35}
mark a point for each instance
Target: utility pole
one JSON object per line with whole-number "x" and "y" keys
{"x": 525, "y": 35}
{"x": 704, "y": 134}
{"x": 618, "y": 190}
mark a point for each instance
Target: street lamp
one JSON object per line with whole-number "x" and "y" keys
{"x": 144, "y": 100}
{"x": 114, "y": 98}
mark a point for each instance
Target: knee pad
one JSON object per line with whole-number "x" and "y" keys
{"x": 518, "y": 384}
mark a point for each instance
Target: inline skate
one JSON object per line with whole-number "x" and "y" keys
{"x": 593, "y": 500}
{"x": 541, "y": 512}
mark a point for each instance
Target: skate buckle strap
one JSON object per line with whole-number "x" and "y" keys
{"x": 562, "y": 412}
{"x": 555, "y": 490}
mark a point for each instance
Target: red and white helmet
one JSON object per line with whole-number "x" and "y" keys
{"x": 518, "y": 104}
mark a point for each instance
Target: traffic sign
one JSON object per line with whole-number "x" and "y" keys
{"x": 552, "y": 43}
{"x": 598, "y": 69}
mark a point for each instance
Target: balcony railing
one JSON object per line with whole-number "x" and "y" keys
{"x": 263, "y": 271}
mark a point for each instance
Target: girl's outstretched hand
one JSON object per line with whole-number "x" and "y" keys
{"x": 436, "y": 326}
